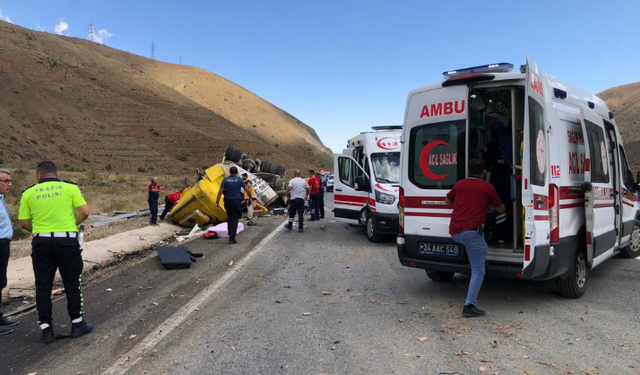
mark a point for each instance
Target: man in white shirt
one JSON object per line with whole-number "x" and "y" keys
{"x": 297, "y": 191}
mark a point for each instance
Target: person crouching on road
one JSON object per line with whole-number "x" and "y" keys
{"x": 323, "y": 186}
{"x": 297, "y": 191}
{"x": 6, "y": 233}
{"x": 154, "y": 194}
{"x": 471, "y": 198}
{"x": 170, "y": 200}
{"x": 47, "y": 210}
{"x": 249, "y": 198}
{"x": 232, "y": 187}
{"x": 314, "y": 192}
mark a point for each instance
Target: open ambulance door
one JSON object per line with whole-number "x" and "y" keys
{"x": 535, "y": 195}
{"x": 599, "y": 192}
{"x": 350, "y": 198}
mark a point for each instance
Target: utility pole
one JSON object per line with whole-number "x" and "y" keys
{"x": 180, "y": 59}
{"x": 153, "y": 51}
{"x": 92, "y": 32}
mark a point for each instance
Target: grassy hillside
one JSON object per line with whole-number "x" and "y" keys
{"x": 623, "y": 102}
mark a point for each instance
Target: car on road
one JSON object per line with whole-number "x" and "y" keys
{"x": 570, "y": 196}
{"x": 330, "y": 183}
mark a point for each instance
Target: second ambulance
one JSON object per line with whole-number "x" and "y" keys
{"x": 556, "y": 158}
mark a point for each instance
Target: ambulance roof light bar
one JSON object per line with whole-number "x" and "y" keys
{"x": 387, "y": 127}
{"x": 491, "y": 68}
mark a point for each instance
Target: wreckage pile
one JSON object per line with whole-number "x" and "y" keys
{"x": 197, "y": 204}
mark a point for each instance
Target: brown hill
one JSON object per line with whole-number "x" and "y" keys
{"x": 89, "y": 106}
{"x": 623, "y": 102}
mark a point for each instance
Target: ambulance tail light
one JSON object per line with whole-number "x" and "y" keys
{"x": 554, "y": 213}
{"x": 401, "y": 211}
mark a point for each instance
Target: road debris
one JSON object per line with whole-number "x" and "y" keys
{"x": 307, "y": 313}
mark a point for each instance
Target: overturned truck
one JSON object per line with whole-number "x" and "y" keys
{"x": 197, "y": 204}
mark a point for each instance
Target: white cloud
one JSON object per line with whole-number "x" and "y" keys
{"x": 4, "y": 17}
{"x": 61, "y": 27}
{"x": 100, "y": 36}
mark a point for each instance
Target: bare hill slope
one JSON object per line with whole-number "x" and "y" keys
{"x": 624, "y": 103}
{"x": 89, "y": 106}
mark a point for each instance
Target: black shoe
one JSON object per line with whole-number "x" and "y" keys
{"x": 301, "y": 230}
{"x": 470, "y": 311}
{"x": 288, "y": 226}
{"x": 312, "y": 219}
{"x": 79, "y": 329}
{"x": 232, "y": 241}
{"x": 5, "y": 330}
{"x": 48, "y": 337}
{"x": 8, "y": 322}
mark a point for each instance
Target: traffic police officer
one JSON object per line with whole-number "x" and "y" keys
{"x": 232, "y": 187}
{"x": 47, "y": 211}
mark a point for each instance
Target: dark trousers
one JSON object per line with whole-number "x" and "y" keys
{"x": 234, "y": 211}
{"x": 153, "y": 208}
{"x": 313, "y": 207}
{"x": 4, "y": 262}
{"x": 321, "y": 203}
{"x": 501, "y": 180}
{"x": 167, "y": 207}
{"x": 296, "y": 206}
{"x": 48, "y": 255}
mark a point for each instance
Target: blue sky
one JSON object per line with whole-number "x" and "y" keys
{"x": 343, "y": 66}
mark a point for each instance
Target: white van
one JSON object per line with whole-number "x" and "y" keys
{"x": 367, "y": 180}
{"x": 571, "y": 199}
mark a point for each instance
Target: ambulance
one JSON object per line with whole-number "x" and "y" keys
{"x": 366, "y": 181}
{"x": 570, "y": 196}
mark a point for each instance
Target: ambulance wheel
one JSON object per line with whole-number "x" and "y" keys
{"x": 633, "y": 249}
{"x": 575, "y": 283}
{"x": 372, "y": 234}
{"x": 440, "y": 275}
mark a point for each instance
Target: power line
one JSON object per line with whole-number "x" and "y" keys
{"x": 153, "y": 51}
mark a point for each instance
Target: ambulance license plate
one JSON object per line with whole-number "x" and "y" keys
{"x": 450, "y": 250}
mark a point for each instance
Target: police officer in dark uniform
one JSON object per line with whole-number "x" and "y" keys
{"x": 233, "y": 188}
{"x": 47, "y": 211}
{"x": 154, "y": 194}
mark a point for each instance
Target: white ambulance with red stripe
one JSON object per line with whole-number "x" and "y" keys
{"x": 366, "y": 181}
{"x": 561, "y": 172}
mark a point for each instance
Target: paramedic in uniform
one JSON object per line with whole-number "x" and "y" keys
{"x": 232, "y": 187}
{"x": 249, "y": 198}
{"x": 47, "y": 211}
{"x": 154, "y": 194}
{"x": 471, "y": 199}
{"x": 297, "y": 191}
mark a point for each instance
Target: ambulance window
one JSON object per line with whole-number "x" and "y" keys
{"x": 598, "y": 157}
{"x": 437, "y": 154}
{"x": 628, "y": 176}
{"x": 347, "y": 170}
{"x": 538, "y": 143}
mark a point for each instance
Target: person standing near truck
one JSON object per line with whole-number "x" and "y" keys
{"x": 323, "y": 186}
{"x": 249, "y": 198}
{"x": 297, "y": 191}
{"x": 232, "y": 187}
{"x": 314, "y": 192}
{"x": 6, "y": 233}
{"x": 169, "y": 201}
{"x": 48, "y": 210}
{"x": 471, "y": 199}
{"x": 154, "y": 194}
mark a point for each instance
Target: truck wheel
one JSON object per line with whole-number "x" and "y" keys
{"x": 264, "y": 167}
{"x": 372, "y": 234}
{"x": 633, "y": 249}
{"x": 280, "y": 170}
{"x": 232, "y": 154}
{"x": 440, "y": 275}
{"x": 575, "y": 283}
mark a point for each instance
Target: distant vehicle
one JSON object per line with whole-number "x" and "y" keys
{"x": 330, "y": 183}
{"x": 368, "y": 181}
{"x": 573, "y": 200}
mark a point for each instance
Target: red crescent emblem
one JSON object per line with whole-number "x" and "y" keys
{"x": 424, "y": 166}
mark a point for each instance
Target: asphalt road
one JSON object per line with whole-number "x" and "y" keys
{"x": 328, "y": 302}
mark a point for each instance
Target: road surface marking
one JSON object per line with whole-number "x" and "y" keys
{"x": 132, "y": 357}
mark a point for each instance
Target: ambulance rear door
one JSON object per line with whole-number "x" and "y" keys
{"x": 349, "y": 198}
{"x": 600, "y": 210}
{"x": 535, "y": 195}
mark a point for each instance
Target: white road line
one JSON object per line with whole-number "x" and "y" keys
{"x": 131, "y": 358}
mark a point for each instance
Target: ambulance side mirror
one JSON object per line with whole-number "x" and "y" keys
{"x": 362, "y": 184}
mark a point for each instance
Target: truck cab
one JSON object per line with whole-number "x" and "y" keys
{"x": 366, "y": 184}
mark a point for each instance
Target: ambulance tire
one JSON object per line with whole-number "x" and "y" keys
{"x": 633, "y": 249}
{"x": 574, "y": 284}
{"x": 372, "y": 234}
{"x": 440, "y": 275}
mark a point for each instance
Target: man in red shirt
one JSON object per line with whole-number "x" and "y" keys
{"x": 314, "y": 195}
{"x": 169, "y": 201}
{"x": 471, "y": 199}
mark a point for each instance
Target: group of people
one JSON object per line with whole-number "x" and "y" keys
{"x": 298, "y": 191}
{"x": 51, "y": 210}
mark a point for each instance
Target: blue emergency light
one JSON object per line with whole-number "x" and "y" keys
{"x": 491, "y": 68}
